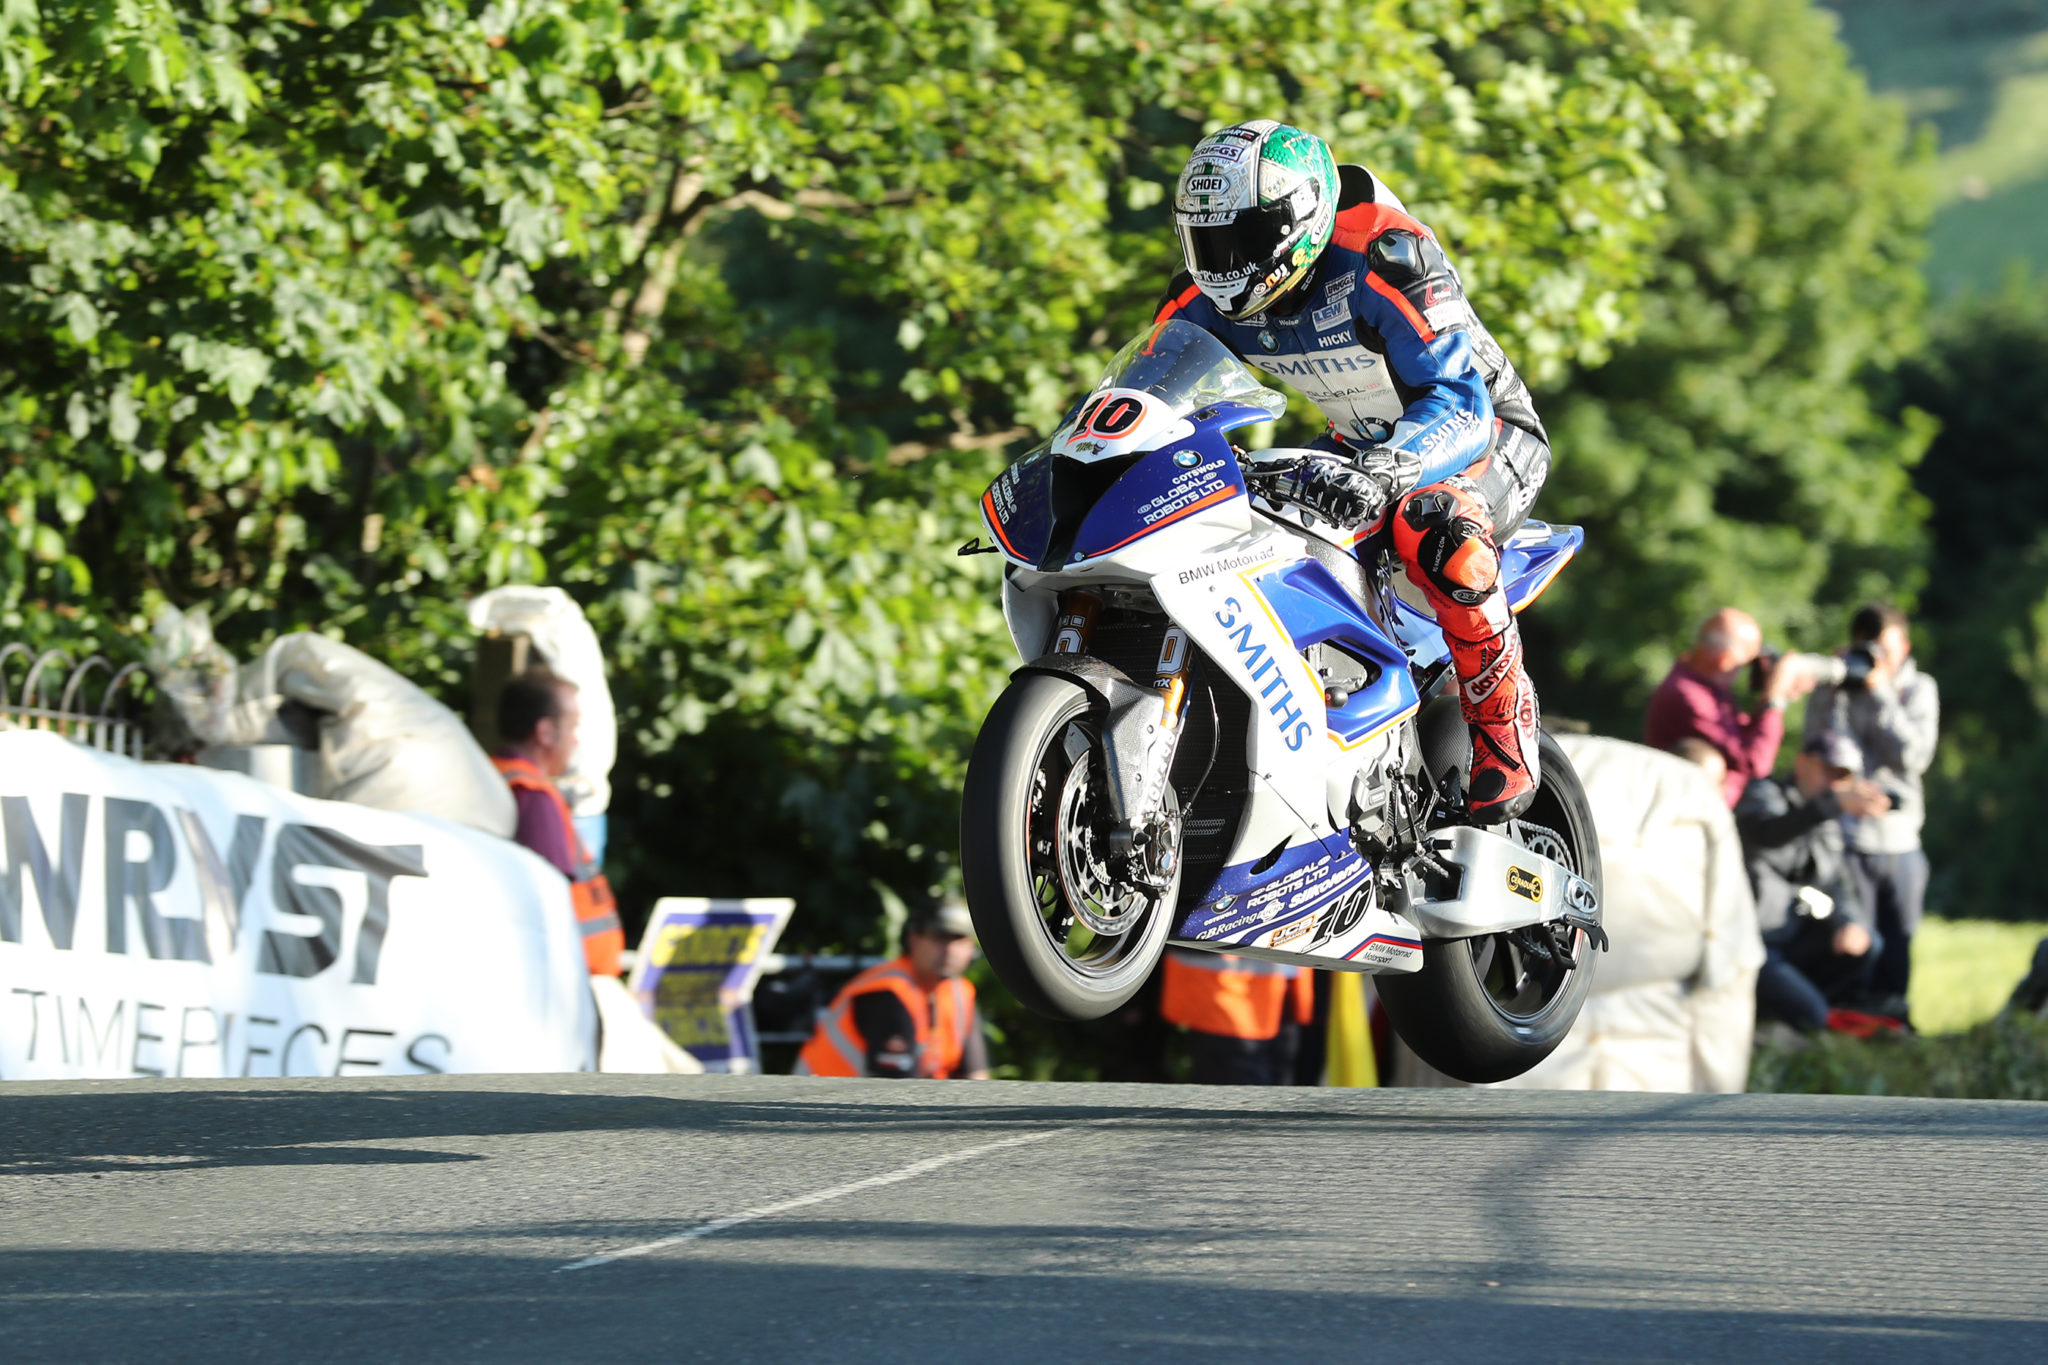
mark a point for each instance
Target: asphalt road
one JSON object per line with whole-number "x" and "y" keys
{"x": 775, "y": 1219}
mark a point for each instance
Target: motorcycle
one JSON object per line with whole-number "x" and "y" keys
{"x": 1237, "y": 730}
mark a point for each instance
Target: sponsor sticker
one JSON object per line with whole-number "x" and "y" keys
{"x": 1441, "y": 317}
{"x": 1217, "y": 566}
{"x": 1524, "y": 883}
{"x": 1188, "y": 459}
{"x": 1299, "y": 929}
{"x": 1205, "y": 184}
{"x": 1267, "y": 668}
{"x": 1339, "y": 288}
{"x": 1331, "y": 316}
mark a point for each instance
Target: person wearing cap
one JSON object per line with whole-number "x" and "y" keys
{"x": 1819, "y": 929}
{"x": 913, "y": 1018}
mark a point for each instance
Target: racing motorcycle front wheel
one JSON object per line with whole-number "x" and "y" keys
{"x": 1064, "y": 923}
{"x": 1489, "y": 1008}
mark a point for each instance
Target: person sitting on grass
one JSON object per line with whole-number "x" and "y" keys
{"x": 1820, "y": 940}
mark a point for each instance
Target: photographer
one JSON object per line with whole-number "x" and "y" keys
{"x": 1816, "y": 921}
{"x": 1892, "y": 710}
{"x": 1697, "y": 698}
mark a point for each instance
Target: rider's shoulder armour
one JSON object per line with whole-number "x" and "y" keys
{"x": 1396, "y": 257}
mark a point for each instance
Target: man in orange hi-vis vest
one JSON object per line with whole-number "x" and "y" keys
{"x": 1243, "y": 1016}
{"x": 913, "y": 1018}
{"x": 537, "y": 715}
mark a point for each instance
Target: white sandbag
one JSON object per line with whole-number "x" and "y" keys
{"x": 556, "y": 625}
{"x": 1678, "y": 900}
{"x": 1673, "y": 1004}
{"x": 383, "y": 742}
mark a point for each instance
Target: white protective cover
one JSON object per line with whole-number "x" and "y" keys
{"x": 383, "y": 742}
{"x": 256, "y": 932}
{"x": 557, "y": 627}
{"x": 1673, "y": 1005}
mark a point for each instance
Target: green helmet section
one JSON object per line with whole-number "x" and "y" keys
{"x": 1289, "y": 156}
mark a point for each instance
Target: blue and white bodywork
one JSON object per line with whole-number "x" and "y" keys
{"x": 1141, "y": 498}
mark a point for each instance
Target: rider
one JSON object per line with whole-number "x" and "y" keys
{"x": 1315, "y": 273}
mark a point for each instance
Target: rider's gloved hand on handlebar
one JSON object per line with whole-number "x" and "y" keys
{"x": 1333, "y": 489}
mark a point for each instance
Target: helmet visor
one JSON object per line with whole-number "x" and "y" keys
{"x": 1250, "y": 241}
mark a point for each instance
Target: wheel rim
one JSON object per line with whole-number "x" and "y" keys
{"x": 1526, "y": 973}
{"x": 1095, "y": 923}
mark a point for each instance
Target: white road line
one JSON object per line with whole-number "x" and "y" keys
{"x": 733, "y": 1220}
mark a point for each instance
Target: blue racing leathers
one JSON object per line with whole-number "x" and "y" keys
{"x": 1382, "y": 339}
{"x": 1426, "y": 417}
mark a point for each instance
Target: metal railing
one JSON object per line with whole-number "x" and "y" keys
{"x": 113, "y": 725}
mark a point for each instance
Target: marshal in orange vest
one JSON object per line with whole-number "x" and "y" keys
{"x": 1232, "y": 997}
{"x": 944, "y": 1018}
{"x": 604, "y": 938}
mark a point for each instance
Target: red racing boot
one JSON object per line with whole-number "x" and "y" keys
{"x": 1500, "y": 708}
{"x": 1444, "y": 534}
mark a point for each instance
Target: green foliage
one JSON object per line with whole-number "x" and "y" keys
{"x": 718, "y": 314}
{"x": 1964, "y": 971}
{"x": 1730, "y": 454}
{"x": 1985, "y": 378}
{"x": 2005, "y": 1059}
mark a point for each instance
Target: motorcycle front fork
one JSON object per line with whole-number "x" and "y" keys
{"x": 1148, "y": 840}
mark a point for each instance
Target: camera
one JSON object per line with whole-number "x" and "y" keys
{"x": 1760, "y": 668}
{"x": 1856, "y": 666}
{"x": 1852, "y": 670}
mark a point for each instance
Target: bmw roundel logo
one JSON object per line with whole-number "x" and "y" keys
{"x": 1188, "y": 459}
{"x": 1269, "y": 341}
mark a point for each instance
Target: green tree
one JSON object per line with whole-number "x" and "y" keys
{"x": 1732, "y": 453}
{"x": 1983, "y": 621}
{"x": 719, "y": 314}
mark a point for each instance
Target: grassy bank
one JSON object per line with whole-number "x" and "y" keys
{"x": 1964, "y": 971}
{"x": 2003, "y": 1059}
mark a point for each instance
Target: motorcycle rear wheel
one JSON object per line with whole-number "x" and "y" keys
{"x": 1487, "y": 1009}
{"x": 1063, "y": 932}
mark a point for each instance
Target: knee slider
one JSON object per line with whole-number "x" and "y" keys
{"x": 1460, "y": 563}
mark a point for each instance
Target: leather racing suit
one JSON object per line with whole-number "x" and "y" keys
{"x": 1417, "y": 391}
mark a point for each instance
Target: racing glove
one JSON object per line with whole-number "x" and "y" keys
{"x": 1338, "y": 491}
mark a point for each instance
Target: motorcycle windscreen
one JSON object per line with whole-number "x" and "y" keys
{"x": 1158, "y": 490}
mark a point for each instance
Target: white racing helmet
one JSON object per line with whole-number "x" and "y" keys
{"x": 1255, "y": 207}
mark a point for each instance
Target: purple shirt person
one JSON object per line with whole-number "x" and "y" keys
{"x": 1697, "y": 699}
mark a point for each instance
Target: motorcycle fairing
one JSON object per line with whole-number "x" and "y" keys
{"x": 1054, "y": 512}
{"x": 1253, "y": 607}
{"x": 1018, "y": 507}
{"x": 1316, "y": 905}
{"x": 1315, "y": 609}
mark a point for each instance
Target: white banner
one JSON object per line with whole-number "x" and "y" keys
{"x": 167, "y": 920}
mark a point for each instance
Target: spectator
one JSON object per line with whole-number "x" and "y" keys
{"x": 911, "y": 1018}
{"x": 1243, "y": 1017}
{"x": 1697, "y": 699}
{"x": 537, "y": 715}
{"x": 1819, "y": 948}
{"x": 1893, "y": 717}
